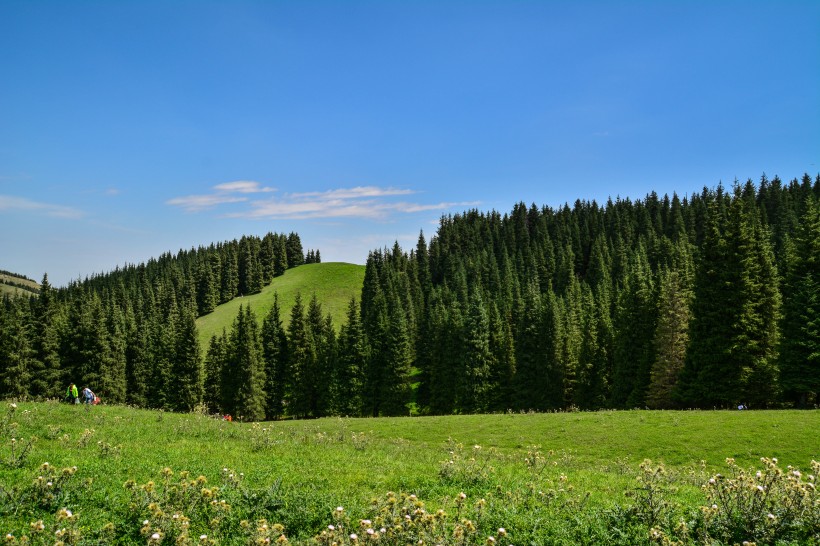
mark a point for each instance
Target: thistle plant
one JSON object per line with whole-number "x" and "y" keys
{"x": 652, "y": 494}
{"x": 468, "y": 467}
{"x": 763, "y": 505}
{"x": 403, "y": 519}
{"x": 63, "y": 531}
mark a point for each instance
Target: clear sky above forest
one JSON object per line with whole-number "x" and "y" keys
{"x": 132, "y": 128}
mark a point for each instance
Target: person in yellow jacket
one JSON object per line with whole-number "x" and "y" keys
{"x": 72, "y": 396}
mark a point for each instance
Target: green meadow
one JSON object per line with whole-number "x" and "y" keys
{"x": 333, "y": 283}
{"x": 565, "y": 478}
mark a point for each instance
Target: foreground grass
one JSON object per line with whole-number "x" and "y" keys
{"x": 546, "y": 479}
{"x": 333, "y": 283}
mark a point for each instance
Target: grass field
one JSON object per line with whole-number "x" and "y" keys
{"x": 333, "y": 283}
{"x": 567, "y": 478}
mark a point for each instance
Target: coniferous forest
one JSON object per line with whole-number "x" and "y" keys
{"x": 706, "y": 301}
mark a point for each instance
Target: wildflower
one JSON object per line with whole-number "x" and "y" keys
{"x": 331, "y": 528}
{"x": 462, "y": 496}
{"x": 714, "y": 507}
{"x": 353, "y": 536}
{"x": 370, "y": 531}
{"x": 13, "y": 405}
{"x": 203, "y": 537}
{"x": 155, "y": 536}
{"x": 502, "y": 532}
{"x": 490, "y": 540}
{"x": 761, "y": 488}
{"x": 771, "y": 516}
{"x": 340, "y": 509}
{"x": 796, "y": 473}
{"x": 145, "y": 522}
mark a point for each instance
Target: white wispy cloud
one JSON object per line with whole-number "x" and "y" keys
{"x": 352, "y": 193}
{"x": 221, "y": 196}
{"x": 368, "y": 202}
{"x": 197, "y": 203}
{"x": 10, "y": 202}
{"x": 242, "y": 186}
{"x": 319, "y": 207}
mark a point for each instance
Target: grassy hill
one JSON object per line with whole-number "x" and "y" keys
{"x": 17, "y": 285}
{"x": 333, "y": 283}
{"x": 568, "y": 478}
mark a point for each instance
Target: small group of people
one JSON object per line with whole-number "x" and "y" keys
{"x": 72, "y": 396}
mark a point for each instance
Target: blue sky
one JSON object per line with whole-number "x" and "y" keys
{"x": 128, "y": 129}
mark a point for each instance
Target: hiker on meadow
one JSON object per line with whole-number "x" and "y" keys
{"x": 71, "y": 395}
{"x": 88, "y": 396}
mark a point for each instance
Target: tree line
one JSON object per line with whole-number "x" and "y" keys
{"x": 710, "y": 301}
{"x": 705, "y": 301}
{"x": 131, "y": 333}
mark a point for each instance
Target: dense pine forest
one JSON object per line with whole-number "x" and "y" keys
{"x": 706, "y": 301}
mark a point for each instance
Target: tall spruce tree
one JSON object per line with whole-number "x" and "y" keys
{"x": 245, "y": 359}
{"x": 46, "y": 380}
{"x": 215, "y": 362}
{"x": 348, "y": 379}
{"x": 800, "y": 344}
{"x": 275, "y": 354}
{"x": 16, "y": 353}
{"x": 475, "y": 386}
{"x": 187, "y": 367}
{"x": 395, "y": 391}
{"x": 302, "y": 362}
{"x": 671, "y": 339}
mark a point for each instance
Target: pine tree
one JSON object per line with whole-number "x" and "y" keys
{"x": 671, "y": 339}
{"x": 800, "y": 344}
{"x": 473, "y": 395}
{"x": 348, "y": 378}
{"x": 215, "y": 362}
{"x": 395, "y": 392}
{"x": 275, "y": 354}
{"x": 324, "y": 341}
{"x": 635, "y": 322}
{"x": 16, "y": 354}
{"x": 46, "y": 378}
{"x": 245, "y": 359}
{"x": 280, "y": 257}
{"x": 293, "y": 248}
{"x": 502, "y": 373}
{"x": 706, "y": 379}
{"x": 187, "y": 368}
{"x": 112, "y": 379}
{"x": 302, "y": 362}
{"x": 530, "y": 354}
{"x": 207, "y": 296}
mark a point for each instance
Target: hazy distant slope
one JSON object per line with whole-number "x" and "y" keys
{"x": 333, "y": 283}
{"x": 11, "y": 283}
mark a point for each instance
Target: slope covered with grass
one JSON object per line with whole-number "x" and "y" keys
{"x": 571, "y": 478}
{"x": 333, "y": 283}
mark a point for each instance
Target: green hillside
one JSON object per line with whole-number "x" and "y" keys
{"x": 333, "y": 283}
{"x": 17, "y": 285}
